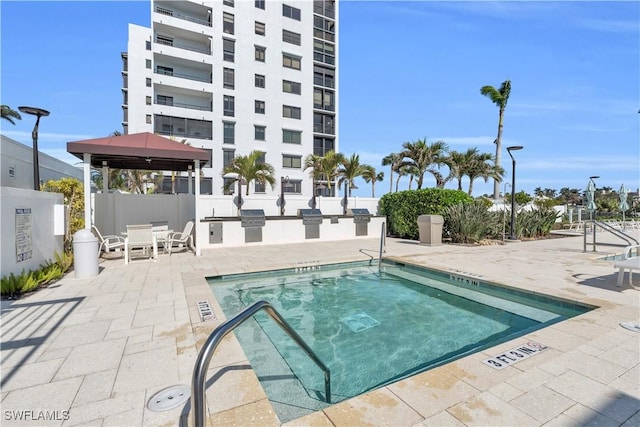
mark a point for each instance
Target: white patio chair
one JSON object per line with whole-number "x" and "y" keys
{"x": 140, "y": 237}
{"x": 108, "y": 243}
{"x": 183, "y": 239}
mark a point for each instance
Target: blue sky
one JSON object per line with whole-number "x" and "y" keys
{"x": 408, "y": 70}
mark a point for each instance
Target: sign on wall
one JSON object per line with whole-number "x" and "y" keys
{"x": 24, "y": 243}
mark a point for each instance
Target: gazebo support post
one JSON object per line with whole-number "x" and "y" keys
{"x": 105, "y": 178}
{"x": 197, "y": 209}
{"x": 87, "y": 191}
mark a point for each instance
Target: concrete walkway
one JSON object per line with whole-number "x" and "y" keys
{"x": 94, "y": 351}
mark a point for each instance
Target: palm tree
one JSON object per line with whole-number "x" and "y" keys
{"x": 394, "y": 160}
{"x": 349, "y": 169}
{"x": 483, "y": 167}
{"x": 423, "y": 156}
{"x": 314, "y": 162}
{"x": 370, "y": 176}
{"x": 8, "y": 114}
{"x": 500, "y": 98}
{"x": 249, "y": 168}
{"x": 410, "y": 170}
{"x": 459, "y": 163}
{"x": 329, "y": 165}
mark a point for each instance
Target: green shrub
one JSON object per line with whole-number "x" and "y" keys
{"x": 403, "y": 208}
{"x": 535, "y": 223}
{"x": 471, "y": 222}
{"x": 13, "y": 286}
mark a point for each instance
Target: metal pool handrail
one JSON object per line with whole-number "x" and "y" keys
{"x": 383, "y": 244}
{"x": 603, "y": 225}
{"x": 198, "y": 382}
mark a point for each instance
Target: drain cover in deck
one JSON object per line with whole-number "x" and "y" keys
{"x": 359, "y": 322}
{"x": 169, "y": 398}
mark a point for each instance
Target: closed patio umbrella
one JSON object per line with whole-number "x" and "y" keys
{"x": 624, "y": 206}
{"x": 591, "y": 192}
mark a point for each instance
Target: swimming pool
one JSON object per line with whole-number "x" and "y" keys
{"x": 372, "y": 328}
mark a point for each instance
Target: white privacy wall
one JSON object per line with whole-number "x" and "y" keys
{"x": 44, "y": 242}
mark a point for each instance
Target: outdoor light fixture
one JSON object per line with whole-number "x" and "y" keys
{"x": 513, "y": 236}
{"x": 38, "y": 112}
{"x": 593, "y": 211}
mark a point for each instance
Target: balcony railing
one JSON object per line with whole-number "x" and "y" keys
{"x": 175, "y": 14}
{"x": 182, "y": 105}
{"x": 179, "y": 45}
{"x": 184, "y": 76}
{"x": 328, "y": 130}
{"x": 185, "y": 134}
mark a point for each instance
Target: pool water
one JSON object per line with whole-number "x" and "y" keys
{"x": 371, "y": 328}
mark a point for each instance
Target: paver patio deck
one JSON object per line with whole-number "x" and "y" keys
{"x": 93, "y": 351}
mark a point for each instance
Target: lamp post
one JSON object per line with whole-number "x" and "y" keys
{"x": 504, "y": 214}
{"x": 513, "y": 236}
{"x": 38, "y": 112}
{"x": 593, "y": 212}
{"x": 284, "y": 182}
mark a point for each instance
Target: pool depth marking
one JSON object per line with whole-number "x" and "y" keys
{"x": 515, "y": 355}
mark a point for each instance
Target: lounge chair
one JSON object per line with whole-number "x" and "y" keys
{"x": 628, "y": 262}
{"x": 183, "y": 239}
{"x": 140, "y": 237}
{"x": 108, "y": 243}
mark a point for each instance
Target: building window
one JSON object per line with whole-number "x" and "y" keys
{"x": 260, "y": 28}
{"x": 148, "y": 118}
{"x": 323, "y": 99}
{"x": 228, "y": 186}
{"x": 164, "y": 100}
{"x": 259, "y": 187}
{"x": 323, "y": 29}
{"x": 167, "y": 41}
{"x": 324, "y": 52}
{"x": 323, "y": 76}
{"x": 228, "y": 3}
{"x": 259, "y": 132}
{"x": 166, "y": 71}
{"x": 324, "y": 7}
{"x": 291, "y": 112}
{"x": 228, "y": 50}
{"x": 291, "y": 162}
{"x": 291, "y": 87}
{"x": 229, "y": 105}
{"x": 291, "y": 37}
{"x": 290, "y": 12}
{"x": 227, "y": 23}
{"x": 148, "y": 81}
{"x": 260, "y": 80}
{"x": 229, "y": 133}
{"x": 321, "y": 146}
{"x": 323, "y": 123}
{"x": 294, "y": 186}
{"x": 291, "y": 61}
{"x": 148, "y": 45}
{"x": 259, "y": 107}
{"x": 148, "y": 100}
{"x": 260, "y": 53}
{"x": 228, "y": 78}
{"x": 260, "y": 4}
{"x": 291, "y": 136}
{"x": 148, "y": 63}
{"x": 227, "y": 157}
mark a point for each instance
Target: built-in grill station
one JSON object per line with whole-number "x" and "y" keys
{"x": 311, "y": 219}
{"x": 361, "y": 218}
{"x": 252, "y": 220}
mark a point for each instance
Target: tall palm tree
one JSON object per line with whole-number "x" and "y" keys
{"x": 370, "y": 176}
{"x": 500, "y": 98}
{"x": 423, "y": 156}
{"x": 329, "y": 165}
{"x": 483, "y": 167}
{"x": 249, "y": 168}
{"x": 410, "y": 170}
{"x": 394, "y": 160}
{"x": 314, "y": 162}
{"x": 349, "y": 169}
{"x": 9, "y": 114}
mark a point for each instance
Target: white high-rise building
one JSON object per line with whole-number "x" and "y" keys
{"x": 236, "y": 76}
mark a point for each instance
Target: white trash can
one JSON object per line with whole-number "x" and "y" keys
{"x": 85, "y": 254}
{"x": 430, "y": 229}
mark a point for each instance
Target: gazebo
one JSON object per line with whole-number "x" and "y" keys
{"x": 137, "y": 151}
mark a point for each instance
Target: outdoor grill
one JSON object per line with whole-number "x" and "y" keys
{"x": 252, "y": 220}
{"x": 311, "y": 219}
{"x": 361, "y": 218}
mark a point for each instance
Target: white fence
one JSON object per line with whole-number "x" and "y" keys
{"x": 32, "y": 225}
